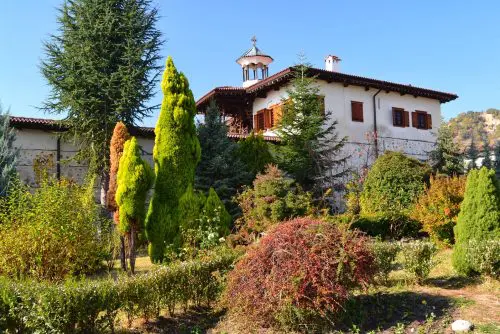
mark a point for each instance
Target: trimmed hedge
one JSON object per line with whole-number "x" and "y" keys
{"x": 92, "y": 306}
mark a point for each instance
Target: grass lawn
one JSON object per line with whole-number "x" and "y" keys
{"x": 400, "y": 307}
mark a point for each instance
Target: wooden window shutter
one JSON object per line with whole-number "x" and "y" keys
{"x": 357, "y": 111}
{"x": 429, "y": 121}
{"x": 414, "y": 119}
{"x": 277, "y": 113}
{"x": 256, "y": 122}
{"x": 406, "y": 119}
{"x": 267, "y": 118}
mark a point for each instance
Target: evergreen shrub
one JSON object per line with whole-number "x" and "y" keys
{"x": 484, "y": 256}
{"x": 479, "y": 217}
{"x": 302, "y": 269}
{"x": 417, "y": 258}
{"x": 92, "y": 306}
{"x": 254, "y": 152}
{"x": 438, "y": 206}
{"x": 385, "y": 254}
{"x": 389, "y": 226}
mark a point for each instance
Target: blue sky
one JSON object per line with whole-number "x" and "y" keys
{"x": 451, "y": 46}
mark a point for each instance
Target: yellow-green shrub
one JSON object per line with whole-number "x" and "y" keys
{"x": 438, "y": 206}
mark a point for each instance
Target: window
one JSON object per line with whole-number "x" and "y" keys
{"x": 357, "y": 111}
{"x": 421, "y": 120}
{"x": 400, "y": 117}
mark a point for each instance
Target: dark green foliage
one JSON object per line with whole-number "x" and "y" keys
{"x": 479, "y": 217}
{"x": 220, "y": 166}
{"x": 487, "y": 162}
{"x": 92, "y": 306}
{"x": 8, "y": 153}
{"x": 190, "y": 208}
{"x": 446, "y": 157}
{"x": 102, "y": 68}
{"x": 254, "y": 152}
{"x": 497, "y": 157}
{"x": 393, "y": 184}
{"x": 472, "y": 154}
{"x": 388, "y": 227}
{"x": 176, "y": 154}
{"x": 310, "y": 146}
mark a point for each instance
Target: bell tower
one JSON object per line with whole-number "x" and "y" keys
{"x": 254, "y": 64}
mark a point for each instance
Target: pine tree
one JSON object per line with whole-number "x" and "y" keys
{"x": 497, "y": 157}
{"x": 220, "y": 166}
{"x": 472, "y": 155}
{"x": 176, "y": 154}
{"x": 135, "y": 178}
{"x": 102, "y": 68}
{"x": 255, "y": 153}
{"x": 487, "y": 162}
{"x": 446, "y": 157}
{"x": 120, "y": 136}
{"x": 8, "y": 153}
{"x": 310, "y": 144}
{"x": 479, "y": 217}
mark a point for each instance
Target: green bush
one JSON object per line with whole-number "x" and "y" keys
{"x": 385, "y": 254}
{"x": 92, "y": 306}
{"x": 272, "y": 199}
{"x": 417, "y": 258}
{"x": 52, "y": 232}
{"x": 393, "y": 184}
{"x": 254, "y": 152}
{"x": 479, "y": 217}
{"x": 484, "y": 256}
{"x": 394, "y": 226}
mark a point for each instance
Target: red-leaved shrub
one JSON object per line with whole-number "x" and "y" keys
{"x": 306, "y": 264}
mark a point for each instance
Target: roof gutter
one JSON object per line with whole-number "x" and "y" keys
{"x": 375, "y": 131}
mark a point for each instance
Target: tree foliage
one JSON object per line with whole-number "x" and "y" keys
{"x": 120, "y": 136}
{"x": 487, "y": 162}
{"x": 479, "y": 217}
{"x": 310, "y": 149}
{"x": 255, "y": 153}
{"x": 135, "y": 178}
{"x": 102, "y": 68}
{"x": 220, "y": 166}
{"x": 393, "y": 184}
{"x": 215, "y": 207}
{"x": 8, "y": 153}
{"x": 472, "y": 154}
{"x": 176, "y": 154}
{"x": 446, "y": 158}
{"x": 437, "y": 208}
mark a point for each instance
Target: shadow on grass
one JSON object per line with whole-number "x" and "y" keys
{"x": 196, "y": 320}
{"x": 452, "y": 282}
{"x": 381, "y": 311}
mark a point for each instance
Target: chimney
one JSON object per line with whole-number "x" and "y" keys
{"x": 332, "y": 63}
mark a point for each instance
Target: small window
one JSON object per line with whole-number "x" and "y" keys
{"x": 421, "y": 120}
{"x": 357, "y": 111}
{"x": 398, "y": 115}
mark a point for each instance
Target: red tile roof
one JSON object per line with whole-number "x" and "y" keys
{"x": 285, "y": 75}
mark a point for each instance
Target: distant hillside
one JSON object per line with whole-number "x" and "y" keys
{"x": 476, "y": 124}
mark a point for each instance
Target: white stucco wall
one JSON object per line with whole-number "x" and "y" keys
{"x": 409, "y": 140}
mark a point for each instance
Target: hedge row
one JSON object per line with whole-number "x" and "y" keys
{"x": 92, "y": 306}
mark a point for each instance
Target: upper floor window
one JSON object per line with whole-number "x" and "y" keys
{"x": 400, "y": 117}
{"x": 421, "y": 120}
{"x": 357, "y": 111}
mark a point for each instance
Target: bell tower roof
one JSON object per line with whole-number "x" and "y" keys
{"x": 253, "y": 61}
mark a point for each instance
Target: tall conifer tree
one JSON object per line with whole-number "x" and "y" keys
{"x": 102, "y": 67}
{"x": 135, "y": 177}
{"x": 446, "y": 157}
{"x": 8, "y": 153}
{"x": 487, "y": 162}
{"x": 176, "y": 154}
{"x": 472, "y": 154}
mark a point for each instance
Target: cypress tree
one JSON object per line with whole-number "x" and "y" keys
{"x": 255, "y": 153}
{"x": 120, "y": 136}
{"x": 190, "y": 208}
{"x": 446, "y": 157}
{"x": 135, "y": 178}
{"x": 479, "y": 217}
{"x": 176, "y": 154}
{"x": 214, "y": 208}
{"x": 472, "y": 155}
{"x": 8, "y": 153}
{"x": 220, "y": 166}
{"x": 497, "y": 157}
{"x": 487, "y": 162}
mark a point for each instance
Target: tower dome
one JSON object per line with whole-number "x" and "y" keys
{"x": 251, "y": 62}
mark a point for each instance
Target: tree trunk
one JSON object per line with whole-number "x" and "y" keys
{"x": 123, "y": 258}
{"x": 132, "y": 248}
{"x": 104, "y": 183}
